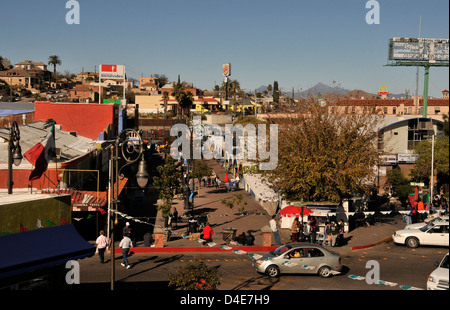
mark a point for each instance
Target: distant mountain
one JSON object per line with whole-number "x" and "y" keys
{"x": 317, "y": 89}
{"x": 333, "y": 93}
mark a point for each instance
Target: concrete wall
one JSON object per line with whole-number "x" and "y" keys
{"x": 218, "y": 119}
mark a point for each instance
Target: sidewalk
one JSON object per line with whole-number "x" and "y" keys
{"x": 208, "y": 203}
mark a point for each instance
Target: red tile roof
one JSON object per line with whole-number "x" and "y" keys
{"x": 388, "y": 102}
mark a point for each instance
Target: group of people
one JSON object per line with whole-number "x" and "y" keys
{"x": 438, "y": 205}
{"x": 126, "y": 243}
{"x": 211, "y": 181}
{"x": 333, "y": 234}
{"x": 244, "y": 239}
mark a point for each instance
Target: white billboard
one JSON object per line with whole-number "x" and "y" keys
{"x": 419, "y": 49}
{"x": 112, "y": 72}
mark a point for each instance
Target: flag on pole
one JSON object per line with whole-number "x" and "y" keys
{"x": 40, "y": 154}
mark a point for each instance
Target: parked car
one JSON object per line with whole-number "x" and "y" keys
{"x": 427, "y": 221}
{"x": 438, "y": 279}
{"x": 299, "y": 258}
{"x": 431, "y": 234}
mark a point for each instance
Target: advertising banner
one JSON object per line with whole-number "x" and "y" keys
{"x": 419, "y": 49}
{"x": 112, "y": 72}
{"x": 226, "y": 69}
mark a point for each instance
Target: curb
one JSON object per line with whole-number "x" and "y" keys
{"x": 359, "y": 247}
{"x": 205, "y": 249}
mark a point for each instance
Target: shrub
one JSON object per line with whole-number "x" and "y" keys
{"x": 195, "y": 276}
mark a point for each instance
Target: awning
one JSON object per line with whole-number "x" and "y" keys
{"x": 41, "y": 248}
{"x": 87, "y": 200}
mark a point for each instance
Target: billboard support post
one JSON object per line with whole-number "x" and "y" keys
{"x": 425, "y": 92}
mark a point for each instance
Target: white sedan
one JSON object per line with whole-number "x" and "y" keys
{"x": 431, "y": 234}
{"x": 438, "y": 279}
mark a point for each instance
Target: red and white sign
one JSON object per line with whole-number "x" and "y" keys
{"x": 112, "y": 72}
{"x": 226, "y": 70}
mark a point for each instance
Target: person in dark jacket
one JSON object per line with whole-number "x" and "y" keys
{"x": 249, "y": 239}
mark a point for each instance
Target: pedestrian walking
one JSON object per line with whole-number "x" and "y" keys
{"x": 101, "y": 242}
{"x": 274, "y": 226}
{"x": 125, "y": 244}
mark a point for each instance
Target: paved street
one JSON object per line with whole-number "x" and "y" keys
{"x": 400, "y": 268}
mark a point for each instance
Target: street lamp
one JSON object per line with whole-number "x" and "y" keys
{"x": 14, "y": 152}
{"x": 128, "y": 146}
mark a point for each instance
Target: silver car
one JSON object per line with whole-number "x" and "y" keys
{"x": 298, "y": 258}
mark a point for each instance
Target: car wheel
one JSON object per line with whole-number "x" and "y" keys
{"x": 412, "y": 242}
{"x": 325, "y": 272}
{"x": 273, "y": 271}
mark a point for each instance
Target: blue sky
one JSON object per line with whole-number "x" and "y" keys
{"x": 295, "y": 42}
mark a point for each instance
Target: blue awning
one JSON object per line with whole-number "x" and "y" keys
{"x": 41, "y": 248}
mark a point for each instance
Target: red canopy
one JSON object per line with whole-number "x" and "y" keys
{"x": 295, "y": 210}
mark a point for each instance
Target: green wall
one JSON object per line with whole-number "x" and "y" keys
{"x": 47, "y": 208}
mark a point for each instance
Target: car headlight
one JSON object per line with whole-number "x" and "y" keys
{"x": 258, "y": 263}
{"x": 431, "y": 279}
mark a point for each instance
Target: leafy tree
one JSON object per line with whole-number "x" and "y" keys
{"x": 323, "y": 156}
{"x": 269, "y": 89}
{"x": 422, "y": 170}
{"x": 201, "y": 169}
{"x": 400, "y": 184}
{"x": 165, "y": 183}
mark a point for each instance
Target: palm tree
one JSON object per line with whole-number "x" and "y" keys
{"x": 177, "y": 92}
{"x": 165, "y": 98}
{"x": 235, "y": 87}
{"x": 188, "y": 99}
{"x": 54, "y": 60}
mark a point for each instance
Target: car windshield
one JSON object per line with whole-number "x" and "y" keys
{"x": 444, "y": 263}
{"x": 426, "y": 227}
{"x": 281, "y": 250}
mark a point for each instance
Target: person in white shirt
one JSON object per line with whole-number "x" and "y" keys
{"x": 125, "y": 244}
{"x": 274, "y": 227}
{"x": 101, "y": 246}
